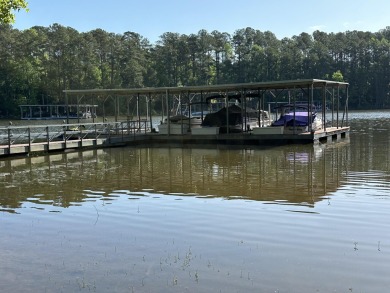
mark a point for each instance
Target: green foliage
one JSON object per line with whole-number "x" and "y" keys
{"x": 7, "y": 8}
{"x": 337, "y": 76}
{"x": 39, "y": 63}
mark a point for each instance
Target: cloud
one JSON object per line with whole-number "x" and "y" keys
{"x": 353, "y": 25}
{"x": 317, "y": 28}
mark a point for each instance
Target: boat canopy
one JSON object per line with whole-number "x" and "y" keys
{"x": 235, "y": 115}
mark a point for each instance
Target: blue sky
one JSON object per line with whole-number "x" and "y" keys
{"x": 152, "y": 18}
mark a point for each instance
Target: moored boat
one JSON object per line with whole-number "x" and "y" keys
{"x": 298, "y": 118}
{"x": 236, "y": 119}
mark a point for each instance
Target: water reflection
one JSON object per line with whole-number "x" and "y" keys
{"x": 299, "y": 175}
{"x": 144, "y": 221}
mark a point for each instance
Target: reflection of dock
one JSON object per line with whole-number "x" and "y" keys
{"x": 288, "y": 175}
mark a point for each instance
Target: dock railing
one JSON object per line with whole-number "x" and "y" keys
{"x": 29, "y": 135}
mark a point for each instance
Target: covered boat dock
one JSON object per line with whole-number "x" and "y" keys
{"x": 330, "y": 96}
{"x": 52, "y": 112}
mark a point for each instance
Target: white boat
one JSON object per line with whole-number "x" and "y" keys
{"x": 191, "y": 121}
{"x": 181, "y": 124}
{"x": 184, "y": 118}
{"x": 215, "y": 114}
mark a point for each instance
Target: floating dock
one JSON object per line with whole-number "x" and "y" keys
{"x": 62, "y": 112}
{"x": 332, "y": 134}
{"x": 120, "y": 134}
{"x": 333, "y": 97}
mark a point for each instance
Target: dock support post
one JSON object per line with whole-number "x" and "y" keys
{"x": 65, "y": 139}
{"x": 47, "y": 138}
{"x": 81, "y": 136}
{"x": 109, "y": 132}
{"x": 338, "y": 106}
{"x": 9, "y": 140}
{"x": 227, "y": 112}
{"x": 332, "y": 107}
{"x": 150, "y": 112}
{"x": 324, "y": 105}
{"x": 29, "y": 139}
{"x": 138, "y": 114}
{"x": 168, "y": 112}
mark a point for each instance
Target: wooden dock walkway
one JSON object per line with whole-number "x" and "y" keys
{"x": 29, "y": 140}
{"x": 249, "y": 139}
{"x": 40, "y": 139}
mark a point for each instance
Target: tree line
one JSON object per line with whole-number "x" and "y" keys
{"x": 37, "y": 64}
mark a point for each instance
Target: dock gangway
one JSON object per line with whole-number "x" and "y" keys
{"x": 29, "y": 139}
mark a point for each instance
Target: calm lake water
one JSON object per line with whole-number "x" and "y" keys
{"x": 282, "y": 219}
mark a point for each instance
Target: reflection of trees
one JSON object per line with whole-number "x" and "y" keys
{"x": 293, "y": 174}
{"x": 58, "y": 179}
{"x": 371, "y": 151}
